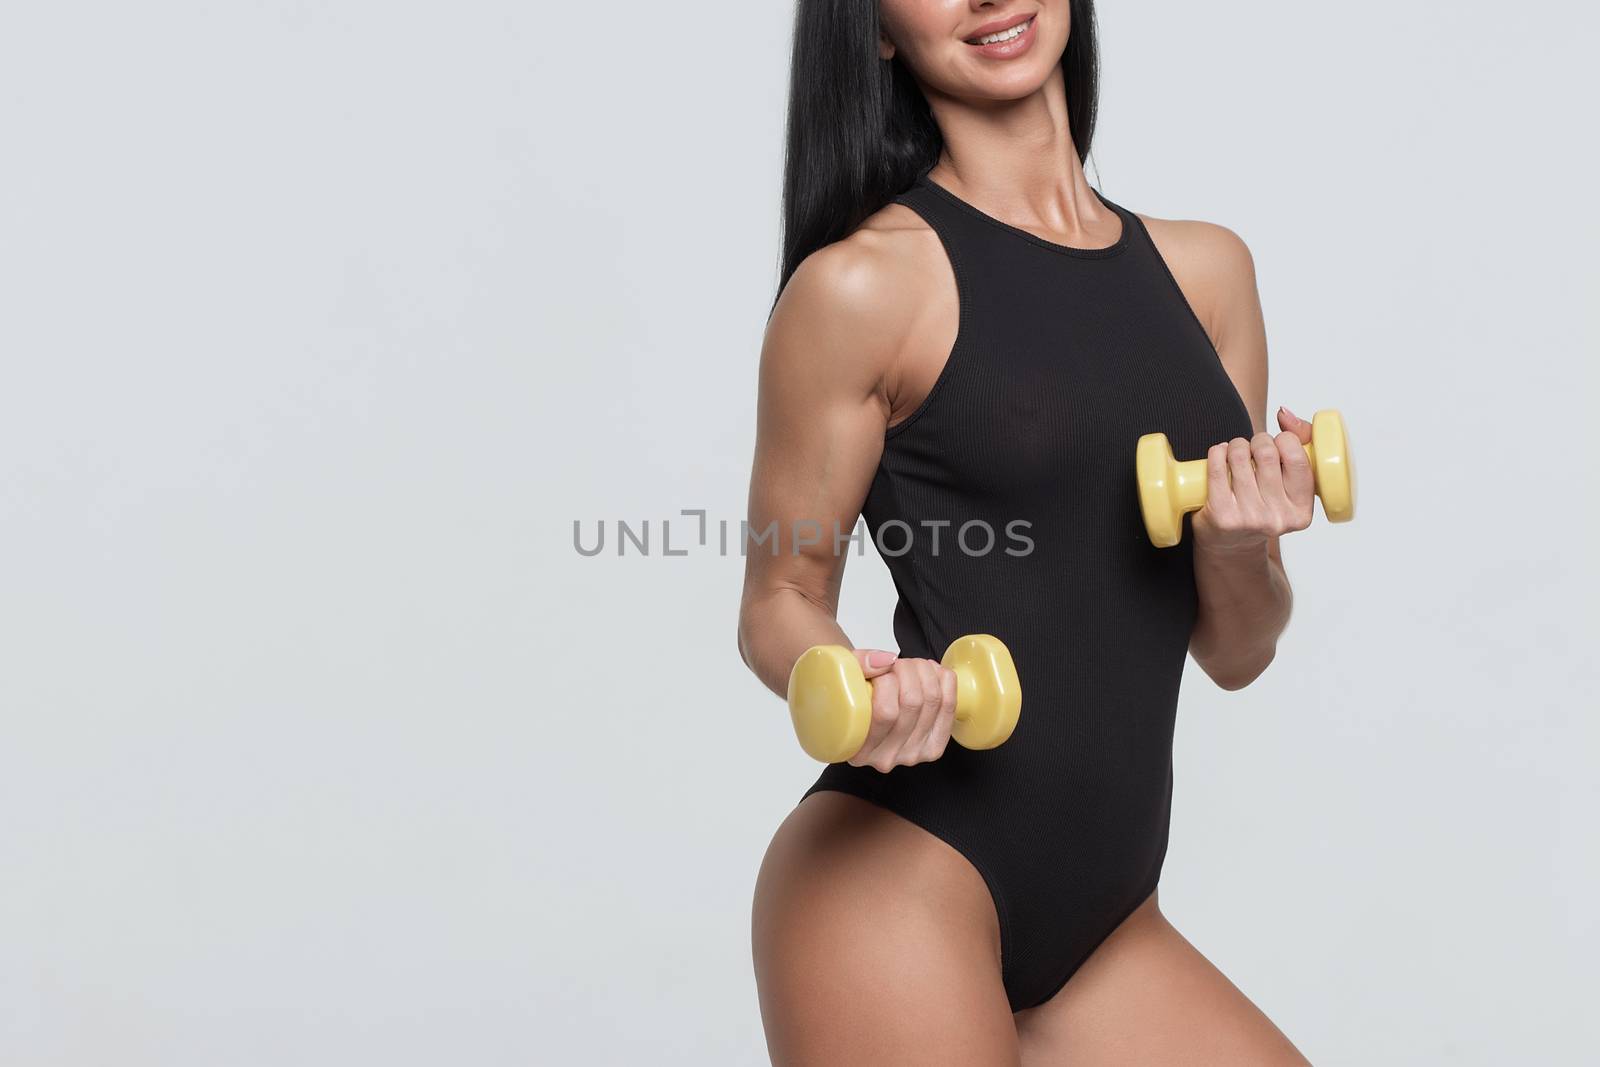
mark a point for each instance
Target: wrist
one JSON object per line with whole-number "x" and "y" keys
{"x": 1247, "y": 554}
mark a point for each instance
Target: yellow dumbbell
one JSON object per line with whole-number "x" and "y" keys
{"x": 830, "y": 699}
{"x": 1168, "y": 489}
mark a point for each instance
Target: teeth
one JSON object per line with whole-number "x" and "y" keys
{"x": 1005, "y": 35}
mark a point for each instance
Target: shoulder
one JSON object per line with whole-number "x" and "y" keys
{"x": 863, "y": 272}
{"x": 851, "y": 301}
{"x": 1212, "y": 266}
{"x": 1204, "y": 248}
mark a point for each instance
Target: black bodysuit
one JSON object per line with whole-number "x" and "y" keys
{"x": 1063, "y": 358}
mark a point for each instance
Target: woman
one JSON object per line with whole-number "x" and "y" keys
{"x": 967, "y": 334}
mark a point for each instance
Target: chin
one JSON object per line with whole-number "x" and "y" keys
{"x": 1013, "y": 82}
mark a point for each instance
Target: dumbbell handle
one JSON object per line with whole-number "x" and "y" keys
{"x": 830, "y": 700}
{"x": 1190, "y": 479}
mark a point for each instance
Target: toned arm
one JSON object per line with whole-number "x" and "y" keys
{"x": 821, "y": 413}
{"x": 1245, "y": 601}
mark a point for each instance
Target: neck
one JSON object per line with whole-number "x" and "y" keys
{"x": 1015, "y": 159}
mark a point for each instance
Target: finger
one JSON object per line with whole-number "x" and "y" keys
{"x": 916, "y": 746}
{"x": 885, "y": 709}
{"x": 909, "y": 674}
{"x": 1269, "y": 470}
{"x": 1288, "y": 420}
{"x": 1219, "y": 489}
{"x": 874, "y": 661}
{"x": 1299, "y": 484}
{"x": 1242, "y": 471}
{"x": 939, "y": 736}
{"x": 897, "y": 715}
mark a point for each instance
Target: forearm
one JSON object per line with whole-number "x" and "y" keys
{"x": 776, "y": 626}
{"x": 1244, "y": 605}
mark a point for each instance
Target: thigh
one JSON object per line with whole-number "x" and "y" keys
{"x": 1148, "y": 996}
{"x": 875, "y": 942}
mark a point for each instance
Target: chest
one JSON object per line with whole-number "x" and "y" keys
{"x": 1055, "y": 400}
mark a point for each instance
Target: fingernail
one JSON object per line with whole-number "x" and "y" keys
{"x": 880, "y": 659}
{"x": 1287, "y": 412}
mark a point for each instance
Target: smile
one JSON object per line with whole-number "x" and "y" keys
{"x": 1001, "y": 36}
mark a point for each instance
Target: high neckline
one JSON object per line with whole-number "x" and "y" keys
{"x": 1033, "y": 238}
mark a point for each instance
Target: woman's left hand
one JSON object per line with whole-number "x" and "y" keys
{"x": 1256, "y": 489}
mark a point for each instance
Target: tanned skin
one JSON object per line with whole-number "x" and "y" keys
{"x": 851, "y": 968}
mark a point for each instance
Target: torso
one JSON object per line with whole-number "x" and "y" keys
{"x": 919, "y": 312}
{"x": 1018, "y": 375}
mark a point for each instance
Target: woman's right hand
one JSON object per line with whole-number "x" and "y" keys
{"x": 913, "y": 710}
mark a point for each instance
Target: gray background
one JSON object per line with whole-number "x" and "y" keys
{"x": 322, "y": 323}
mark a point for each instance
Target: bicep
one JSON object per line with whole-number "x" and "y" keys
{"x": 1239, "y": 334}
{"x": 1216, "y": 271}
{"x": 1239, "y": 329}
{"x": 820, "y": 423}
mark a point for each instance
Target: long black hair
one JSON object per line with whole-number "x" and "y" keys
{"x": 860, "y": 130}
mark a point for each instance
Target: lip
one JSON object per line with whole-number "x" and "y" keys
{"x": 1004, "y": 49}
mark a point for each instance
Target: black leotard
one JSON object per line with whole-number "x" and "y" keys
{"x": 1063, "y": 358}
